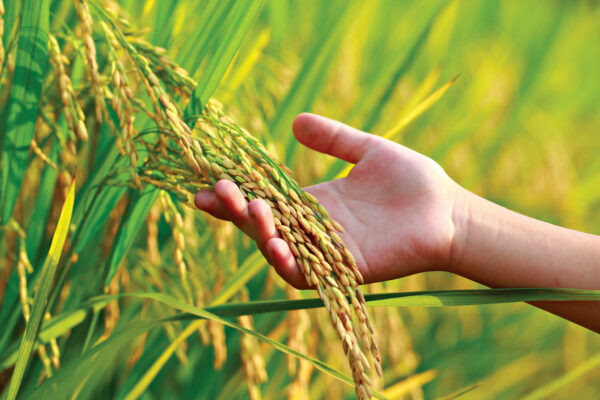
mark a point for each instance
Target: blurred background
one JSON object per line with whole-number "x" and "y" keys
{"x": 505, "y": 95}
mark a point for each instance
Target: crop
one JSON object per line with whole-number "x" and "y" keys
{"x": 152, "y": 299}
{"x": 220, "y": 149}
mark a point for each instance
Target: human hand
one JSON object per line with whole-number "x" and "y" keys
{"x": 395, "y": 205}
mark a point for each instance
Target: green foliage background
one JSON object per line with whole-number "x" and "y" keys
{"x": 519, "y": 126}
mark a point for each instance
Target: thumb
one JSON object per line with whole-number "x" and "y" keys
{"x": 332, "y": 137}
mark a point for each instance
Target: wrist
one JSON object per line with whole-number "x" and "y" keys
{"x": 462, "y": 221}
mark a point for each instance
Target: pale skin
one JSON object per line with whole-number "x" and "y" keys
{"x": 403, "y": 215}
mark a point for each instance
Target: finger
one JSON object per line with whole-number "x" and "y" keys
{"x": 233, "y": 204}
{"x": 285, "y": 264}
{"x": 207, "y": 201}
{"x": 262, "y": 220}
{"x": 332, "y": 137}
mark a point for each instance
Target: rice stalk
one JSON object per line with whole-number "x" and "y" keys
{"x": 172, "y": 75}
{"x": 218, "y": 340}
{"x": 219, "y": 149}
{"x": 85, "y": 23}
{"x": 112, "y": 311}
{"x": 174, "y": 219}
{"x": 24, "y": 267}
{"x": 122, "y": 103}
{"x": 172, "y": 334}
{"x": 41, "y": 155}
{"x": 222, "y": 235}
{"x": 199, "y": 286}
{"x": 152, "y": 235}
{"x": 252, "y": 361}
{"x": 72, "y": 111}
{"x": 298, "y": 324}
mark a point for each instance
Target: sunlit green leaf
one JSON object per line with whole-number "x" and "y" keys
{"x": 40, "y": 299}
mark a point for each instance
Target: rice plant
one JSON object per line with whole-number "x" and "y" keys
{"x": 114, "y": 114}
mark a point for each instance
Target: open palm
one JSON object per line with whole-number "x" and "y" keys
{"x": 396, "y": 205}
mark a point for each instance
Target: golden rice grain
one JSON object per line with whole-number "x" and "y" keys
{"x": 85, "y": 20}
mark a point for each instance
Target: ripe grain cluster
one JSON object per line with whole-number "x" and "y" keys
{"x": 217, "y": 148}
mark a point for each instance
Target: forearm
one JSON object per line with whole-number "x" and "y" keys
{"x": 500, "y": 248}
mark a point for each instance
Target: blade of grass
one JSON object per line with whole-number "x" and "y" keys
{"x": 65, "y": 321}
{"x": 32, "y": 58}
{"x": 143, "y": 383}
{"x": 11, "y": 23}
{"x": 461, "y": 392}
{"x": 41, "y": 297}
{"x": 418, "y": 110}
{"x": 441, "y": 298}
{"x": 9, "y": 313}
{"x": 235, "y": 79}
{"x": 510, "y": 375}
{"x": 92, "y": 185}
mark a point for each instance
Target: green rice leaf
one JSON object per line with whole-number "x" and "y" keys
{"x": 136, "y": 217}
{"x": 243, "y": 15}
{"x": 11, "y": 22}
{"x": 32, "y": 58}
{"x": 60, "y": 324}
{"x": 435, "y": 298}
{"x": 418, "y": 110}
{"x": 163, "y": 19}
{"x": 40, "y": 299}
{"x": 211, "y": 20}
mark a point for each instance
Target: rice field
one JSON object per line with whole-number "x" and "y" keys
{"x": 113, "y": 114}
